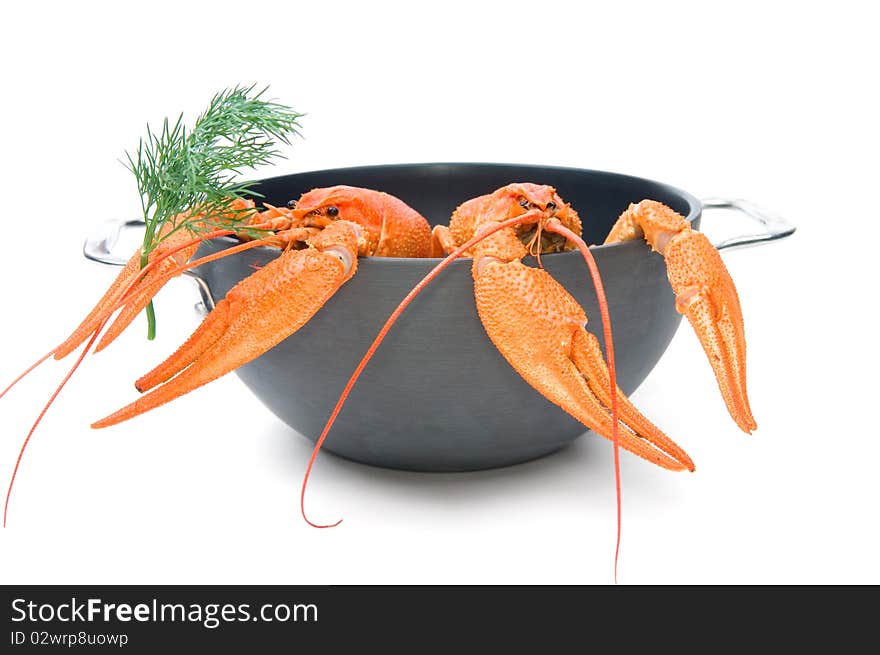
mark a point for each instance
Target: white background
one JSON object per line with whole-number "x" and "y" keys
{"x": 774, "y": 103}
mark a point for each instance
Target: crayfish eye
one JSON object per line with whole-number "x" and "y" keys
{"x": 551, "y": 206}
{"x": 524, "y": 203}
{"x": 291, "y": 204}
{"x": 332, "y": 210}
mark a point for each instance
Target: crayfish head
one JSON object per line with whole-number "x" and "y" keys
{"x": 319, "y": 208}
{"x": 329, "y": 204}
{"x": 529, "y": 196}
{"x": 523, "y": 197}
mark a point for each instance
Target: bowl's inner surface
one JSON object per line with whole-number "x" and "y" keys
{"x": 435, "y": 190}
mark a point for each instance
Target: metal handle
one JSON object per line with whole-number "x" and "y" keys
{"x": 774, "y": 226}
{"x": 101, "y": 246}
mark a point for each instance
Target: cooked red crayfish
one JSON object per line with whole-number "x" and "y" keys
{"x": 337, "y": 225}
{"x": 322, "y": 235}
{"x": 539, "y": 328}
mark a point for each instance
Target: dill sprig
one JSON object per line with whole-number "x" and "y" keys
{"x": 187, "y": 179}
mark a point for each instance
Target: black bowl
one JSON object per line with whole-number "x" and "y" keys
{"x": 437, "y": 396}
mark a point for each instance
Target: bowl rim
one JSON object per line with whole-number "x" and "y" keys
{"x": 694, "y": 205}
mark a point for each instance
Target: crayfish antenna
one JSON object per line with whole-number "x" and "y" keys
{"x": 28, "y": 370}
{"x": 559, "y": 228}
{"x": 101, "y": 320}
{"x": 43, "y": 413}
{"x": 416, "y": 290}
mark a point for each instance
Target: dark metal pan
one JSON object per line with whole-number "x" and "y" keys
{"x": 438, "y": 396}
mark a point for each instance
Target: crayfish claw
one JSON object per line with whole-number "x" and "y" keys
{"x": 704, "y": 292}
{"x": 258, "y": 313}
{"x": 706, "y": 295}
{"x": 538, "y": 328}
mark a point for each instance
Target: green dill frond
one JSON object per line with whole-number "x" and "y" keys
{"x": 187, "y": 179}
